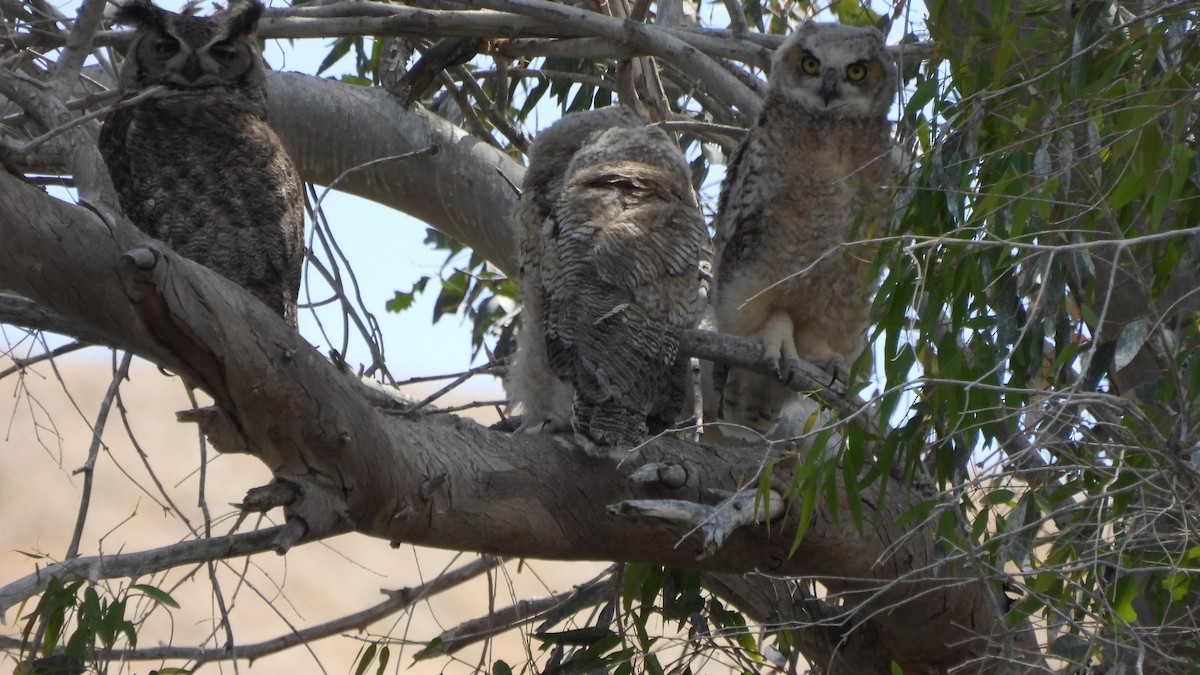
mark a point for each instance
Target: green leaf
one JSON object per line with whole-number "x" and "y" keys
{"x": 432, "y": 649}
{"x": 1121, "y": 596}
{"x": 385, "y": 655}
{"x": 454, "y": 290}
{"x": 367, "y": 658}
{"x": 341, "y": 47}
{"x": 1000, "y": 496}
{"x": 403, "y": 300}
{"x": 158, "y": 595}
{"x": 1070, "y": 647}
{"x": 501, "y": 668}
{"x": 581, "y": 637}
{"x": 1177, "y": 585}
{"x": 854, "y": 13}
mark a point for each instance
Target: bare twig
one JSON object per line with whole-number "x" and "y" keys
{"x": 120, "y": 373}
{"x": 113, "y": 566}
{"x": 653, "y": 41}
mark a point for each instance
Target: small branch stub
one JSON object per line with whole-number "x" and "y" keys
{"x": 671, "y": 475}
{"x": 217, "y": 427}
{"x": 266, "y": 497}
{"x": 141, "y": 259}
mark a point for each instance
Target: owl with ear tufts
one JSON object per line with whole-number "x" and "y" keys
{"x": 615, "y": 260}
{"x": 812, "y": 176}
{"x": 195, "y": 164}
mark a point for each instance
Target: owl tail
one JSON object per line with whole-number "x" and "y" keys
{"x": 607, "y": 425}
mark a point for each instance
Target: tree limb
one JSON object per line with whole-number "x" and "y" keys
{"x": 441, "y": 481}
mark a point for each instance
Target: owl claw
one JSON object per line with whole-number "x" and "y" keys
{"x": 773, "y": 366}
{"x": 793, "y": 369}
{"x": 836, "y": 368}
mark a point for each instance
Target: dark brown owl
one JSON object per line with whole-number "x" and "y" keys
{"x": 196, "y": 165}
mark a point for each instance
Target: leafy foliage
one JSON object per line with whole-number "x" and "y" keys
{"x": 99, "y": 624}
{"x": 1009, "y": 326}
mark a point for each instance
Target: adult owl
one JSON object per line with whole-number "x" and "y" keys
{"x": 614, "y": 254}
{"x": 811, "y": 177}
{"x": 196, "y": 165}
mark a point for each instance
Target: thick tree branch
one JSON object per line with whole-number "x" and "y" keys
{"x": 465, "y": 188}
{"x": 437, "y": 480}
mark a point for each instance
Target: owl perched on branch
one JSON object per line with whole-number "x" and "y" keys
{"x": 196, "y": 165}
{"x": 614, "y": 260}
{"x": 812, "y": 176}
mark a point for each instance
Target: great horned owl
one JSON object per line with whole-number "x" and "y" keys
{"x": 613, "y": 264}
{"x": 196, "y": 165}
{"x": 812, "y": 175}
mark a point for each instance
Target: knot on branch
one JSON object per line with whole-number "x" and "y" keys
{"x": 266, "y": 497}
{"x": 311, "y": 512}
{"x": 140, "y": 259}
{"x": 218, "y": 427}
{"x": 671, "y": 475}
{"x": 714, "y": 523}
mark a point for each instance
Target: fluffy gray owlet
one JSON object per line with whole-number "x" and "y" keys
{"x": 614, "y": 253}
{"x": 196, "y": 165}
{"x": 812, "y": 175}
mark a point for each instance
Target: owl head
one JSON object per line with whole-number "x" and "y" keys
{"x": 192, "y": 52}
{"x": 835, "y": 70}
{"x": 553, "y": 149}
{"x": 623, "y": 149}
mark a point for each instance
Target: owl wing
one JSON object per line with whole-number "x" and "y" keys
{"x": 645, "y": 264}
{"x": 113, "y": 133}
{"x": 134, "y": 171}
{"x": 542, "y": 392}
{"x": 735, "y": 212}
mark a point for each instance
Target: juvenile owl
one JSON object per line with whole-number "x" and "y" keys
{"x": 614, "y": 259}
{"x": 196, "y": 165}
{"x": 811, "y": 176}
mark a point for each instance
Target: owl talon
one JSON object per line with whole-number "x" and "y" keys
{"x": 836, "y": 368}
{"x": 599, "y": 450}
{"x": 793, "y": 370}
{"x": 773, "y": 368}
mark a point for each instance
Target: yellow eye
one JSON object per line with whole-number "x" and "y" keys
{"x": 856, "y": 72}
{"x": 810, "y": 65}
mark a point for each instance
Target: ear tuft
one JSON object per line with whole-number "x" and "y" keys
{"x": 243, "y": 18}
{"x": 141, "y": 13}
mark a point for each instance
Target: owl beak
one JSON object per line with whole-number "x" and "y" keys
{"x": 191, "y": 68}
{"x": 829, "y": 85}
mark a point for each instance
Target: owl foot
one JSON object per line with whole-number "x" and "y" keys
{"x": 779, "y": 346}
{"x": 598, "y": 450}
{"x": 534, "y": 426}
{"x": 836, "y": 368}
